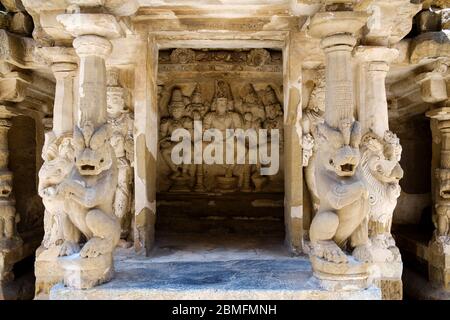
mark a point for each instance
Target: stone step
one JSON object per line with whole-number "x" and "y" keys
{"x": 232, "y": 274}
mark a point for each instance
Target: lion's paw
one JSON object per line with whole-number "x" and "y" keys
{"x": 68, "y": 248}
{"x": 95, "y": 247}
{"x": 329, "y": 251}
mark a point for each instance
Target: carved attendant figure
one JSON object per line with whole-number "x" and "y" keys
{"x": 177, "y": 120}
{"x": 121, "y": 122}
{"x": 58, "y": 155}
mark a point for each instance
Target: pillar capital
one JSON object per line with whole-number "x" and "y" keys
{"x": 441, "y": 114}
{"x": 99, "y": 24}
{"x": 91, "y": 45}
{"x": 335, "y": 42}
{"x": 62, "y": 70}
{"x": 433, "y": 84}
{"x": 376, "y": 54}
{"x": 325, "y": 24}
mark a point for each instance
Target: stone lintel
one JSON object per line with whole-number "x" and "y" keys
{"x": 119, "y": 8}
{"x": 19, "y": 51}
{"x": 58, "y": 54}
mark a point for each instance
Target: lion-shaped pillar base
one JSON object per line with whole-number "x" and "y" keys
{"x": 85, "y": 273}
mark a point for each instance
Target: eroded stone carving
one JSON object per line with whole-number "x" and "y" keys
{"x": 10, "y": 242}
{"x": 182, "y": 56}
{"x": 121, "y": 121}
{"x": 339, "y": 194}
{"x": 381, "y": 173}
{"x": 222, "y": 118}
{"x": 252, "y": 109}
{"x": 89, "y": 192}
{"x": 8, "y": 217}
{"x": 439, "y": 246}
{"x": 258, "y": 57}
{"x": 343, "y": 197}
{"x": 177, "y": 120}
{"x": 58, "y": 158}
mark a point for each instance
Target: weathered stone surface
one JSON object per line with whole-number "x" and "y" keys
{"x": 430, "y": 45}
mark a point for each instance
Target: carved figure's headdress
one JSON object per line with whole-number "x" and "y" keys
{"x": 177, "y": 100}
{"x": 250, "y": 94}
{"x": 196, "y": 94}
{"x": 223, "y": 90}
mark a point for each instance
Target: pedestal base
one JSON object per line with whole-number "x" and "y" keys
{"x": 391, "y": 289}
{"x": 85, "y": 273}
{"x": 180, "y": 184}
{"x": 226, "y": 184}
{"x": 47, "y": 269}
{"x": 11, "y": 251}
{"x": 439, "y": 263}
{"x": 352, "y": 275}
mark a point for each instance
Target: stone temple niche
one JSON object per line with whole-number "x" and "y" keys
{"x": 220, "y": 89}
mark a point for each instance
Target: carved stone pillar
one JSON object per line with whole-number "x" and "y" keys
{"x": 293, "y": 203}
{"x": 146, "y": 145}
{"x": 434, "y": 89}
{"x": 10, "y": 242}
{"x": 90, "y": 187}
{"x": 342, "y": 214}
{"x": 381, "y": 171}
{"x": 58, "y": 161}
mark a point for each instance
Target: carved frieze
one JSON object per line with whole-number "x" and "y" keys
{"x": 220, "y": 60}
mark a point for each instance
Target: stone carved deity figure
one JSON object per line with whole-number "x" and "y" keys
{"x": 89, "y": 196}
{"x": 221, "y": 118}
{"x": 176, "y": 120}
{"x": 274, "y": 120}
{"x": 58, "y": 156}
{"x": 273, "y": 111}
{"x": 251, "y": 172}
{"x": 343, "y": 197}
{"x": 197, "y": 109}
{"x": 252, "y": 103}
{"x": 121, "y": 121}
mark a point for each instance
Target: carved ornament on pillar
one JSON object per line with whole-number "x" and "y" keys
{"x": 342, "y": 209}
{"x": 10, "y": 242}
{"x": 90, "y": 187}
{"x": 121, "y": 121}
{"x": 439, "y": 247}
{"x": 58, "y": 156}
{"x": 380, "y": 168}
